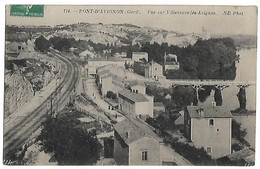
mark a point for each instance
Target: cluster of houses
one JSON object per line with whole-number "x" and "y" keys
{"x": 135, "y": 142}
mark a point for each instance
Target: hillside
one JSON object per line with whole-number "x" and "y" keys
{"x": 122, "y": 34}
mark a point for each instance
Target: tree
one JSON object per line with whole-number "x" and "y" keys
{"x": 62, "y": 44}
{"x": 69, "y": 142}
{"x": 42, "y": 44}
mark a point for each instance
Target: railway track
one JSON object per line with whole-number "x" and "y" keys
{"x": 17, "y": 135}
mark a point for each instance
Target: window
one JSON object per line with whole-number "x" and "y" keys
{"x": 136, "y": 91}
{"x": 144, "y": 155}
{"x": 211, "y": 122}
{"x": 208, "y": 149}
{"x": 155, "y": 68}
{"x": 217, "y": 130}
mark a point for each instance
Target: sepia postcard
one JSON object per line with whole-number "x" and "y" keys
{"x": 135, "y": 85}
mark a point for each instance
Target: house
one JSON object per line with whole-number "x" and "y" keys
{"x": 120, "y": 55}
{"x": 137, "y": 87}
{"x": 154, "y": 70}
{"x": 108, "y": 79}
{"x": 137, "y": 56}
{"x": 171, "y": 66}
{"x": 171, "y": 62}
{"x": 209, "y": 127}
{"x": 168, "y": 97}
{"x": 87, "y": 53}
{"x": 135, "y": 143}
{"x": 94, "y": 63}
{"x": 116, "y": 78}
{"x": 179, "y": 122}
{"x": 133, "y": 104}
{"x": 78, "y": 51}
{"x": 15, "y": 48}
{"x": 72, "y": 49}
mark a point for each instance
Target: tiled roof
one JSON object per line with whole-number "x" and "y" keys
{"x": 133, "y": 129}
{"x": 208, "y": 112}
{"x": 141, "y": 53}
{"x": 110, "y": 59}
{"x": 135, "y": 82}
{"x": 171, "y": 63}
{"x": 150, "y": 63}
{"x": 135, "y": 97}
{"x": 105, "y": 67}
{"x": 103, "y": 73}
{"x": 78, "y": 51}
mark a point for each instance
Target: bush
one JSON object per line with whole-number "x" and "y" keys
{"x": 237, "y": 132}
{"x": 197, "y": 156}
{"x": 236, "y": 147}
{"x": 111, "y": 95}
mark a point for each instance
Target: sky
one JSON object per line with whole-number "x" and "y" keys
{"x": 183, "y": 23}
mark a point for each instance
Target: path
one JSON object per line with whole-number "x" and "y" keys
{"x": 93, "y": 93}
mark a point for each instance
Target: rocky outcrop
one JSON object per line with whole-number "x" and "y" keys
{"x": 18, "y": 91}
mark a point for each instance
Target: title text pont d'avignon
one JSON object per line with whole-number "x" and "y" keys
{"x": 133, "y": 11}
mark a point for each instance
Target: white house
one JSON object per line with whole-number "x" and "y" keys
{"x": 154, "y": 70}
{"x": 135, "y": 143}
{"x": 138, "y": 56}
{"x": 94, "y": 63}
{"x": 133, "y": 104}
{"x": 137, "y": 87}
{"x": 171, "y": 62}
{"x": 209, "y": 127}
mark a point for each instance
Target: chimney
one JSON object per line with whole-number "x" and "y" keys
{"x": 213, "y": 104}
{"x": 127, "y": 134}
{"x": 200, "y": 112}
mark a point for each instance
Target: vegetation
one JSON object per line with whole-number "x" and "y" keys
{"x": 162, "y": 124}
{"x": 42, "y": 44}
{"x": 205, "y": 92}
{"x": 197, "y": 156}
{"x": 237, "y": 132}
{"x": 139, "y": 68}
{"x": 181, "y": 96}
{"x": 111, "y": 95}
{"x": 236, "y": 147}
{"x": 206, "y": 59}
{"x": 69, "y": 142}
{"x": 62, "y": 44}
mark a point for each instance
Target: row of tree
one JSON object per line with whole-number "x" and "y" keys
{"x": 206, "y": 59}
